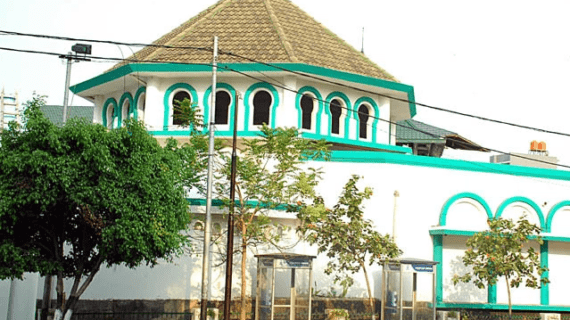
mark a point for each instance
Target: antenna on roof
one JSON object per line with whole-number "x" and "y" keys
{"x": 362, "y": 47}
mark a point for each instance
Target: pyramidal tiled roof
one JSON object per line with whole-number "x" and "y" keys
{"x": 272, "y": 31}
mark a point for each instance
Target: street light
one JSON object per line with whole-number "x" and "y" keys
{"x": 78, "y": 48}
{"x": 81, "y": 48}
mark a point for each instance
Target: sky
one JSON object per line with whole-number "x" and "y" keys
{"x": 506, "y": 60}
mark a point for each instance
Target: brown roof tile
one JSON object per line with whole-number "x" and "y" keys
{"x": 264, "y": 30}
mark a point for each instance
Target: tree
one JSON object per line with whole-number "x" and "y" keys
{"x": 349, "y": 241}
{"x": 500, "y": 252}
{"x": 77, "y": 197}
{"x": 269, "y": 175}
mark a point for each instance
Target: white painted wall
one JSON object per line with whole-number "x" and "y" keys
{"x": 423, "y": 192}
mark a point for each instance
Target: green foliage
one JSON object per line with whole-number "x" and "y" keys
{"x": 270, "y": 174}
{"x": 79, "y": 196}
{"x": 500, "y": 252}
{"x": 336, "y": 314}
{"x": 348, "y": 240}
{"x": 187, "y": 114}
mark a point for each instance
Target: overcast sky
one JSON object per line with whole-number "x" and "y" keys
{"x": 508, "y": 60}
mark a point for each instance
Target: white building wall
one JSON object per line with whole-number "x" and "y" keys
{"x": 423, "y": 192}
{"x": 559, "y": 260}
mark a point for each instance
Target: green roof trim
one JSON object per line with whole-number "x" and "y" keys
{"x": 248, "y": 67}
{"x": 413, "y": 160}
{"x": 250, "y": 203}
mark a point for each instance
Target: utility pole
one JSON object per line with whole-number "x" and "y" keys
{"x": 230, "y": 246}
{"x": 83, "y": 49}
{"x": 362, "y": 47}
{"x": 207, "y": 229}
{"x": 396, "y": 195}
{"x": 78, "y": 48}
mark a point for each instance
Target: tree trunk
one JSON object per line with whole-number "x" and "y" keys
{"x": 509, "y": 295}
{"x": 370, "y": 298}
{"x": 243, "y": 274}
{"x": 57, "y": 314}
{"x": 68, "y": 314}
{"x": 66, "y": 307}
{"x": 60, "y": 297}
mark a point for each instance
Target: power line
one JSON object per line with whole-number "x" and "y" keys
{"x": 292, "y": 90}
{"x": 290, "y": 71}
{"x": 134, "y": 44}
{"x": 396, "y": 98}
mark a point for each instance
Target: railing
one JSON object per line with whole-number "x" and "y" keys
{"x": 132, "y": 316}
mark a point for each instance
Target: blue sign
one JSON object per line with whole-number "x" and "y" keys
{"x": 423, "y": 267}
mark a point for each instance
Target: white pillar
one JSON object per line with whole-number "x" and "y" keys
{"x": 23, "y": 297}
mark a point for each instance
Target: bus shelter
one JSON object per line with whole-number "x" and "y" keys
{"x": 408, "y": 290}
{"x": 284, "y": 286}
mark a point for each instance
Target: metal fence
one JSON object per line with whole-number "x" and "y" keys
{"x": 131, "y": 316}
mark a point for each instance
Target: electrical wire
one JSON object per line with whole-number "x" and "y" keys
{"x": 134, "y": 44}
{"x": 285, "y": 88}
{"x": 396, "y": 98}
{"x": 5, "y": 32}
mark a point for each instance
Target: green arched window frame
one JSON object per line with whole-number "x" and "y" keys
{"x": 168, "y": 98}
{"x": 248, "y": 117}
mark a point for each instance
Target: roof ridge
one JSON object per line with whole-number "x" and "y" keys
{"x": 410, "y": 122}
{"x": 345, "y": 44}
{"x": 280, "y": 32}
{"x": 361, "y": 54}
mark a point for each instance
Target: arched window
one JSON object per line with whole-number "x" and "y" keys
{"x": 110, "y": 116}
{"x": 336, "y": 112}
{"x": 307, "y": 107}
{"x": 262, "y": 101}
{"x": 363, "y": 116}
{"x": 217, "y": 229}
{"x": 223, "y": 101}
{"x": 177, "y": 99}
{"x": 198, "y": 226}
{"x": 141, "y": 106}
{"x": 125, "y": 110}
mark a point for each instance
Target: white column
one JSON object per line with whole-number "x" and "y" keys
{"x": 154, "y": 113}
{"x": 384, "y": 134}
{"x": 23, "y": 297}
{"x": 287, "y": 115}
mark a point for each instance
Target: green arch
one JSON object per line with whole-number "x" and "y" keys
{"x": 139, "y": 92}
{"x": 455, "y": 198}
{"x": 346, "y": 100}
{"x": 553, "y": 211}
{"x": 105, "y": 106}
{"x": 172, "y": 88}
{"x": 206, "y": 103}
{"x": 249, "y": 91}
{"x": 531, "y": 203}
{"x": 125, "y": 96}
{"x": 375, "y": 117}
{"x": 319, "y": 112}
